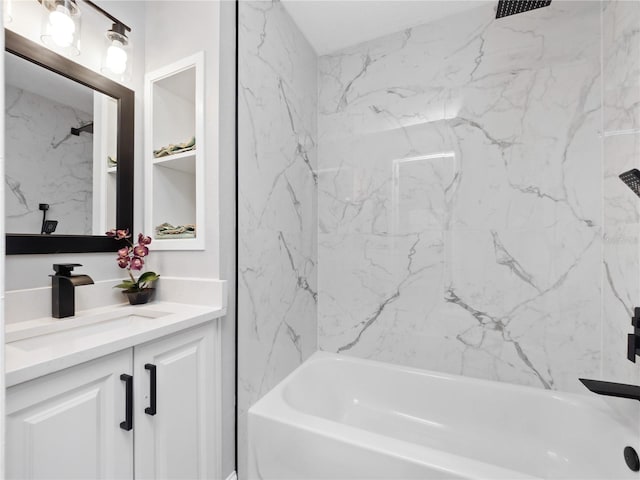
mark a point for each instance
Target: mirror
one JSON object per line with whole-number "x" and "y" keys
{"x": 60, "y": 153}
{"x": 68, "y": 153}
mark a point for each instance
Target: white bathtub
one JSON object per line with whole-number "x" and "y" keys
{"x": 337, "y": 417}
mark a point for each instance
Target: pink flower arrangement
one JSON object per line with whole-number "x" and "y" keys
{"x": 132, "y": 257}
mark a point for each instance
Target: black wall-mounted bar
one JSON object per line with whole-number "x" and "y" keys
{"x": 107, "y": 14}
{"x": 88, "y": 128}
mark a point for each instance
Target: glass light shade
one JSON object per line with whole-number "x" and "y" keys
{"x": 61, "y": 26}
{"x": 116, "y": 60}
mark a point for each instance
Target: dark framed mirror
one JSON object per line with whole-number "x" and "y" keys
{"x": 30, "y": 239}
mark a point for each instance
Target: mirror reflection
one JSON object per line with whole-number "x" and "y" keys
{"x": 60, "y": 149}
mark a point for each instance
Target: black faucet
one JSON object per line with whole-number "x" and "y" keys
{"x": 63, "y": 283}
{"x": 633, "y": 339}
{"x": 611, "y": 389}
{"x": 622, "y": 390}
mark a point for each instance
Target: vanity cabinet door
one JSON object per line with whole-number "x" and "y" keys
{"x": 67, "y": 425}
{"x": 175, "y": 431}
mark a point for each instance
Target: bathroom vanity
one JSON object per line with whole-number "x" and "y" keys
{"x": 115, "y": 392}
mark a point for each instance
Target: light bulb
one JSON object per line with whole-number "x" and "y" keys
{"x": 61, "y": 26}
{"x": 116, "y": 57}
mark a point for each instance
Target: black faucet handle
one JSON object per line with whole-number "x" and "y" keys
{"x": 632, "y": 347}
{"x": 65, "y": 269}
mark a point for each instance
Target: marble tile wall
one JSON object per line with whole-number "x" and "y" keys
{"x": 621, "y": 152}
{"x": 46, "y": 164}
{"x": 462, "y": 176}
{"x": 277, "y": 291}
{"x": 460, "y": 196}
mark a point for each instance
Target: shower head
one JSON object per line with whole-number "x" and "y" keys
{"x": 632, "y": 179}
{"x": 511, "y": 7}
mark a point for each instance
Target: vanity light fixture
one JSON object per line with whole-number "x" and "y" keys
{"x": 61, "y": 25}
{"x": 61, "y": 30}
{"x": 116, "y": 58}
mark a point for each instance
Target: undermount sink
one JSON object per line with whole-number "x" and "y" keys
{"x": 45, "y": 345}
{"x": 85, "y": 328}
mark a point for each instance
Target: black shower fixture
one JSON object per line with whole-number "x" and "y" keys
{"x": 632, "y": 180}
{"x": 48, "y": 226}
{"x": 88, "y": 128}
{"x": 511, "y": 7}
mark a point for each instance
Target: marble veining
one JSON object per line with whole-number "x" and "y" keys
{"x": 454, "y": 189}
{"x": 621, "y": 151}
{"x": 482, "y": 139}
{"x": 46, "y": 164}
{"x": 277, "y": 202}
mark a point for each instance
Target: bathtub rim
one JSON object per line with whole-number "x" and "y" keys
{"x": 583, "y": 398}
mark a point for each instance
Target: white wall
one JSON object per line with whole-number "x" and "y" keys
{"x": 176, "y": 30}
{"x": 227, "y": 173}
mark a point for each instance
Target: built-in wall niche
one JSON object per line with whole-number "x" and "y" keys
{"x": 174, "y": 154}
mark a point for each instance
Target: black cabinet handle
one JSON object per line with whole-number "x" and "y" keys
{"x": 128, "y": 385}
{"x": 151, "y": 409}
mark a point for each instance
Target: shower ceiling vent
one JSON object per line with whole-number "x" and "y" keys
{"x": 511, "y": 7}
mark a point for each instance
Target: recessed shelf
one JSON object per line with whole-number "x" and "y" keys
{"x": 183, "y": 162}
{"x": 174, "y": 96}
{"x": 174, "y": 239}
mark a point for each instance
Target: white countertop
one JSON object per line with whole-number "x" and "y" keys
{"x": 42, "y": 346}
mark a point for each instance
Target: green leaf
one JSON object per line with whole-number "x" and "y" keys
{"x": 126, "y": 284}
{"x": 148, "y": 277}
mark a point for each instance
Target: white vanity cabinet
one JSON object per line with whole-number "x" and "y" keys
{"x": 175, "y": 435}
{"x": 72, "y": 424}
{"x": 66, "y": 425}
